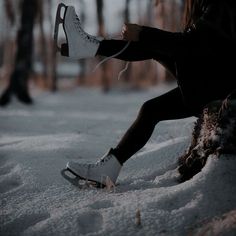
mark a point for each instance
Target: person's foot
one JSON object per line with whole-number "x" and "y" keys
{"x": 107, "y": 167}
{"x": 79, "y": 43}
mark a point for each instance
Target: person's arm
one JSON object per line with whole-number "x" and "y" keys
{"x": 155, "y": 34}
{"x": 155, "y": 40}
{"x": 134, "y": 32}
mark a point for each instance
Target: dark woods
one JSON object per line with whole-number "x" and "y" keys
{"x": 32, "y": 62}
{"x": 18, "y": 84}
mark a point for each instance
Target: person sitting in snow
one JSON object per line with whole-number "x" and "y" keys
{"x": 201, "y": 58}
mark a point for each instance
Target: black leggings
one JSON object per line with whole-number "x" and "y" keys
{"x": 168, "y": 106}
{"x": 138, "y": 51}
{"x": 165, "y": 107}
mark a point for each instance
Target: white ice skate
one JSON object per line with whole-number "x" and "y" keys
{"x": 79, "y": 44}
{"x": 106, "y": 169}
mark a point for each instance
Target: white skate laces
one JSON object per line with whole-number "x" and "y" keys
{"x": 113, "y": 56}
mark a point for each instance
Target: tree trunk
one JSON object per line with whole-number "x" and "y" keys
{"x": 100, "y": 19}
{"x": 101, "y": 32}
{"x": 82, "y": 62}
{"x": 43, "y": 42}
{"x": 7, "y": 44}
{"x": 18, "y": 84}
{"x": 127, "y": 11}
{"x": 214, "y": 133}
{"x": 9, "y": 11}
{"x": 52, "y": 53}
{"x": 127, "y": 74}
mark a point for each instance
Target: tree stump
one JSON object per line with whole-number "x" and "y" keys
{"x": 214, "y": 133}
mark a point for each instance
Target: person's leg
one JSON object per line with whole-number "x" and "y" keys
{"x": 166, "y": 107}
{"x": 152, "y": 44}
{"x": 136, "y": 51}
{"x": 157, "y": 44}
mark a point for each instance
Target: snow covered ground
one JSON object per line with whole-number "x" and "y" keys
{"x": 81, "y": 125}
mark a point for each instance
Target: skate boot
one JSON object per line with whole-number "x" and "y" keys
{"x": 107, "y": 168}
{"x": 79, "y": 44}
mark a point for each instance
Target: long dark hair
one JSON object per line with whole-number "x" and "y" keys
{"x": 193, "y": 11}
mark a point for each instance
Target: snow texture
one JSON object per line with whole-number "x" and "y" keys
{"x": 81, "y": 125}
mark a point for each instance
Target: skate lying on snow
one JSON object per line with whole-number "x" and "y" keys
{"x": 103, "y": 173}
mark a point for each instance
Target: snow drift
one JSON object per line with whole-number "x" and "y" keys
{"x": 37, "y": 141}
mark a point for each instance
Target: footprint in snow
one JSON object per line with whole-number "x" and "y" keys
{"x": 9, "y": 176}
{"x": 10, "y": 183}
{"x": 22, "y": 223}
{"x": 3, "y": 161}
{"x": 6, "y": 169}
{"x": 89, "y": 222}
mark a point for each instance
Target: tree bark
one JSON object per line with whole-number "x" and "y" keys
{"x": 82, "y": 62}
{"x": 100, "y": 19}
{"x": 127, "y": 74}
{"x": 214, "y": 134}
{"x": 52, "y": 58}
{"x": 18, "y": 84}
{"x": 9, "y": 11}
{"x": 101, "y": 32}
{"x": 43, "y": 41}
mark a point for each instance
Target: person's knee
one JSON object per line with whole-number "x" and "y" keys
{"x": 146, "y": 108}
{"x": 146, "y": 112}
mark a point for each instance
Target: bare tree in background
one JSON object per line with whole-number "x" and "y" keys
{"x": 43, "y": 41}
{"x": 100, "y": 18}
{"x": 7, "y": 44}
{"x": 127, "y": 74}
{"x": 9, "y": 11}
{"x": 149, "y": 14}
{"x": 52, "y": 52}
{"x": 127, "y": 11}
{"x": 82, "y": 62}
{"x": 101, "y": 31}
{"x": 18, "y": 84}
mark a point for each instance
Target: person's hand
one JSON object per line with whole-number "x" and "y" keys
{"x": 130, "y": 32}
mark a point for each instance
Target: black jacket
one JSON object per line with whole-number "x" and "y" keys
{"x": 203, "y": 58}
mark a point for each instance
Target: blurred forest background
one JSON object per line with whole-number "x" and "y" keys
{"x": 27, "y": 51}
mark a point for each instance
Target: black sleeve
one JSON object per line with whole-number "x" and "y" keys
{"x": 155, "y": 34}
{"x": 164, "y": 42}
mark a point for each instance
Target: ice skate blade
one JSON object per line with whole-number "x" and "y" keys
{"x": 64, "y": 47}
{"x": 77, "y": 178}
